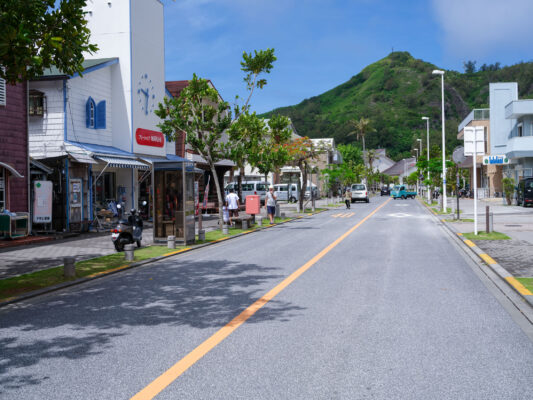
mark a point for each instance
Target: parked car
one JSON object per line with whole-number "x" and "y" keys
{"x": 249, "y": 188}
{"x": 385, "y": 191}
{"x": 284, "y": 194}
{"x": 525, "y": 192}
{"x": 401, "y": 192}
{"x": 359, "y": 192}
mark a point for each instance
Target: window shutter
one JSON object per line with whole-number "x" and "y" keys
{"x": 2, "y": 92}
{"x": 100, "y": 116}
{"x": 88, "y": 113}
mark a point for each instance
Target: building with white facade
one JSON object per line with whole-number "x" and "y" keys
{"x": 99, "y": 130}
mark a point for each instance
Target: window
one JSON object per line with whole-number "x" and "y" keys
{"x": 2, "y": 189}
{"x": 104, "y": 188}
{"x": 2, "y": 92}
{"x": 261, "y": 187}
{"x": 95, "y": 115}
{"x": 37, "y": 103}
{"x": 520, "y": 130}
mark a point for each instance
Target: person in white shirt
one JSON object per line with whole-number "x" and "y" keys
{"x": 232, "y": 202}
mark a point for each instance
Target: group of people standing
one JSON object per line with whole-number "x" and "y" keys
{"x": 233, "y": 204}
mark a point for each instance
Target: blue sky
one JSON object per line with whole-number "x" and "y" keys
{"x": 322, "y": 43}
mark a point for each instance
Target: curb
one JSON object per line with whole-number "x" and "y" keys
{"x": 468, "y": 245}
{"x": 103, "y": 274}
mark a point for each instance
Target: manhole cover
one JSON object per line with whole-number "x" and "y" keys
{"x": 512, "y": 225}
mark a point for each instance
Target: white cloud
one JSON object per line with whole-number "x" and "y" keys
{"x": 478, "y": 27}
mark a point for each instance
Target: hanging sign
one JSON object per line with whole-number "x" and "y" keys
{"x": 146, "y": 137}
{"x": 495, "y": 160}
{"x": 42, "y": 202}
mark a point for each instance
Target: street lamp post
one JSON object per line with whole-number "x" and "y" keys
{"x": 427, "y": 148}
{"x": 444, "y": 200}
{"x": 419, "y": 156}
{"x": 416, "y": 160}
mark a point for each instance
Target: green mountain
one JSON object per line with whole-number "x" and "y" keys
{"x": 394, "y": 93}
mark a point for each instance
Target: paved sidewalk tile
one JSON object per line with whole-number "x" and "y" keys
{"x": 516, "y": 256}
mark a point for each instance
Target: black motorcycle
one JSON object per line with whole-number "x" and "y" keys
{"x": 128, "y": 231}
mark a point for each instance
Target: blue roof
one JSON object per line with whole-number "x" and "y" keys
{"x": 101, "y": 149}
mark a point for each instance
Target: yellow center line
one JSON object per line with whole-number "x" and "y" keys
{"x": 518, "y": 286}
{"x": 174, "y": 372}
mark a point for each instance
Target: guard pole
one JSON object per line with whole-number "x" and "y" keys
{"x": 475, "y": 182}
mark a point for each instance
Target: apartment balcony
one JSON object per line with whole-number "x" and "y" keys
{"x": 477, "y": 114}
{"x": 519, "y": 147}
{"x": 518, "y": 108}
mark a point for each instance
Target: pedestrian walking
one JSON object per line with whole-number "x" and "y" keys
{"x": 348, "y": 198}
{"x": 232, "y": 202}
{"x": 270, "y": 203}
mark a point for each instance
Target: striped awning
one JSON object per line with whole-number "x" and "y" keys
{"x": 120, "y": 162}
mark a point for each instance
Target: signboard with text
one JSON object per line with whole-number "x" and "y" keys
{"x": 495, "y": 160}
{"x": 42, "y": 202}
{"x": 146, "y": 137}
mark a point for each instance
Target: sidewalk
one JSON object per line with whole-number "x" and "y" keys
{"x": 28, "y": 258}
{"x": 515, "y": 255}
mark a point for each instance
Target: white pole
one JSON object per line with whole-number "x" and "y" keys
{"x": 475, "y": 182}
{"x": 444, "y": 200}
{"x": 429, "y": 194}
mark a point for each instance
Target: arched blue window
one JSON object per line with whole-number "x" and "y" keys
{"x": 90, "y": 113}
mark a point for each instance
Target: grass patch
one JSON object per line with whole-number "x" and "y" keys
{"x": 486, "y": 236}
{"x": 440, "y": 212}
{"x": 18, "y": 285}
{"x": 460, "y": 220}
{"x": 215, "y": 235}
{"x": 527, "y": 282}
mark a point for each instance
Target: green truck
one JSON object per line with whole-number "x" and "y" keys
{"x": 401, "y": 192}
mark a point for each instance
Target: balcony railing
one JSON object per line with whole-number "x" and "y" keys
{"x": 477, "y": 114}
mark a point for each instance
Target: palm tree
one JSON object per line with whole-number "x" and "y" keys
{"x": 361, "y": 128}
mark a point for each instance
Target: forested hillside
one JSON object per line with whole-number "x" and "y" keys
{"x": 394, "y": 93}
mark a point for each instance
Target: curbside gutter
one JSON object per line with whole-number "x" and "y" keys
{"x": 468, "y": 245}
{"x": 103, "y": 274}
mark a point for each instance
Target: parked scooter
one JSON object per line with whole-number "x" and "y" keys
{"x": 128, "y": 231}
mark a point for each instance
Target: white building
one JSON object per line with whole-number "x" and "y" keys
{"x": 99, "y": 130}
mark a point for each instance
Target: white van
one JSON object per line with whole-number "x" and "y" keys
{"x": 249, "y": 188}
{"x": 284, "y": 194}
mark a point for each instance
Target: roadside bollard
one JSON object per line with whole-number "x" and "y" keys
{"x": 277, "y": 211}
{"x": 282, "y": 215}
{"x": 259, "y": 220}
{"x": 69, "y": 267}
{"x": 225, "y": 229}
{"x": 491, "y": 222}
{"x": 171, "y": 242}
{"x": 244, "y": 224}
{"x": 128, "y": 252}
{"x": 201, "y": 235}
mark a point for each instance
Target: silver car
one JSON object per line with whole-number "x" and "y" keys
{"x": 359, "y": 192}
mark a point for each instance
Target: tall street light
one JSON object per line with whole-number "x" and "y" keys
{"x": 419, "y": 157}
{"x": 444, "y": 200}
{"x": 427, "y": 147}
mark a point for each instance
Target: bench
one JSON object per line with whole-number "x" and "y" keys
{"x": 238, "y": 220}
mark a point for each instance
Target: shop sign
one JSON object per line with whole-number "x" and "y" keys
{"x": 42, "y": 202}
{"x": 495, "y": 160}
{"x": 146, "y": 137}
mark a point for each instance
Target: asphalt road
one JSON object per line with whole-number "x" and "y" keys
{"x": 392, "y": 311}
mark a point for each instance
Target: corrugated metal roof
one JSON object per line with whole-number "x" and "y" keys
{"x": 123, "y": 162}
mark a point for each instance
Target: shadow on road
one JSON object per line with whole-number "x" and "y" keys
{"x": 82, "y": 323}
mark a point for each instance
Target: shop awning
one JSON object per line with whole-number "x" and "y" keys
{"x": 40, "y": 166}
{"x": 83, "y": 158}
{"x": 11, "y": 169}
{"x": 119, "y": 162}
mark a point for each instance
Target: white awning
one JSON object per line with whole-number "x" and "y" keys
{"x": 11, "y": 169}
{"x": 83, "y": 158}
{"x": 123, "y": 162}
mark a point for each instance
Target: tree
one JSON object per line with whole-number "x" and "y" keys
{"x": 203, "y": 116}
{"x": 36, "y": 35}
{"x": 508, "y": 189}
{"x": 350, "y": 154}
{"x": 247, "y": 129}
{"x": 361, "y": 129}
{"x": 301, "y": 151}
{"x": 469, "y": 66}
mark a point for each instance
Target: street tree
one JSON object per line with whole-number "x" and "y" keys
{"x": 203, "y": 116}
{"x": 361, "y": 128}
{"x": 38, "y": 34}
{"x": 247, "y": 129}
{"x": 302, "y": 152}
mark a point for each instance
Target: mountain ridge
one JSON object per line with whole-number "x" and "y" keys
{"x": 394, "y": 93}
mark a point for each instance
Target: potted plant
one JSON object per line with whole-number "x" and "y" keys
{"x": 508, "y": 189}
